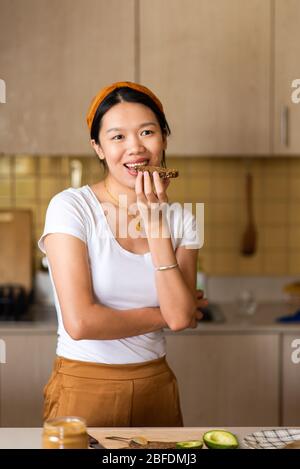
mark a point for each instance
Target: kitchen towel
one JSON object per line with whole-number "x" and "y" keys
{"x": 290, "y": 318}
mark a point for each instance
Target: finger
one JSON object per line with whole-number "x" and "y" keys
{"x": 139, "y": 189}
{"x": 160, "y": 188}
{"x": 202, "y": 303}
{"x": 150, "y": 196}
{"x": 199, "y": 293}
{"x": 199, "y": 315}
{"x": 166, "y": 183}
{"x": 193, "y": 323}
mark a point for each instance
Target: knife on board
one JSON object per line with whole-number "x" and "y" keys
{"x": 94, "y": 444}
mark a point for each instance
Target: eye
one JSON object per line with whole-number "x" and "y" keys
{"x": 116, "y": 137}
{"x": 149, "y": 132}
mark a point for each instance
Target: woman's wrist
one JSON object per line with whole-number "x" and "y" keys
{"x": 162, "y": 251}
{"x": 156, "y": 226}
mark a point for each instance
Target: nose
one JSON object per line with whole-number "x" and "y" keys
{"x": 135, "y": 146}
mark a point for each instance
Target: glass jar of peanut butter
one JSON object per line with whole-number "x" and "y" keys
{"x": 65, "y": 433}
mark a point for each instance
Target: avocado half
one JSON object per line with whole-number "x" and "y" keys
{"x": 220, "y": 439}
{"x": 192, "y": 444}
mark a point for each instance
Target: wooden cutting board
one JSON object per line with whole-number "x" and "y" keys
{"x": 166, "y": 436}
{"x": 16, "y": 247}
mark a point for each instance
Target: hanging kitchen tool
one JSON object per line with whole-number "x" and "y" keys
{"x": 249, "y": 240}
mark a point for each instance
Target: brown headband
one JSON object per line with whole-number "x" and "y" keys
{"x": 108, "y": 89}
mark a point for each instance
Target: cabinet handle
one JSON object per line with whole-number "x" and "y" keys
{"x": 284, "y": 124}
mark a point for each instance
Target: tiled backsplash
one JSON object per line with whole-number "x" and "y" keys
{"x": 30, "y": 182}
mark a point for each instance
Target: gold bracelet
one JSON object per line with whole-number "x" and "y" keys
{"x": 166, "y": 267}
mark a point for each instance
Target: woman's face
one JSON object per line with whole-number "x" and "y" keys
{"x": 130, "y": 133}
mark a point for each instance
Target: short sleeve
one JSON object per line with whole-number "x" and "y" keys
{"x": 186, "y": 230}
{"x": 191, "y": 231}
{"x": 64, "y": 215}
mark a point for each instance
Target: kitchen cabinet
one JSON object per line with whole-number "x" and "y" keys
{"x": 55, "y": 56}
{"x": 291, "y": 380}
{"x": 29, "y": 361}
{"x": 223, "y": 69}
{"x": 210, "y": 64}
{"x": 286, "y": 70}
{"x": 227, "y": 379}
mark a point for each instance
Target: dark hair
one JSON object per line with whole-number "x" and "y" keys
{"x": 131, "y": 96}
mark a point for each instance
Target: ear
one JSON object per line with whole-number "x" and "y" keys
{"x": 97, "y": 149}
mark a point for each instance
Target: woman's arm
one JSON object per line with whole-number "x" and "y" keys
{"x": 176, "y": 287}
{"x": 84, "y": 318}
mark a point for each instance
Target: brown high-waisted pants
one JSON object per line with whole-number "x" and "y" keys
{"x": 138, "y": 395}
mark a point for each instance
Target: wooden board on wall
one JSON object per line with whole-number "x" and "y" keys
{"x": 16, "y": 247}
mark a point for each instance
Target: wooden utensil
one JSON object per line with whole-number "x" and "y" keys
{"x": 140, "y": 442}
{"x": 249, "y": 240}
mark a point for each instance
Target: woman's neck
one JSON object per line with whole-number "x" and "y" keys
{"x": 115, "y": 190}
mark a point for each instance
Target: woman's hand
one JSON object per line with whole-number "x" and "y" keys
{"x": 151, "y": 201}
{"x": 201, "y": 303}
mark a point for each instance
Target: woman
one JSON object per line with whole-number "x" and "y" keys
{"x": 116, "y": 292}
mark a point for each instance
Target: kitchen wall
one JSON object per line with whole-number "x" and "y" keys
{"x": 30, "y": 182}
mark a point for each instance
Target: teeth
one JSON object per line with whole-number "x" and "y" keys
{"x": 134, "y": 165}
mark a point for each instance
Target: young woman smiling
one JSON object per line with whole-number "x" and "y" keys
{"x": 116, "y": 292}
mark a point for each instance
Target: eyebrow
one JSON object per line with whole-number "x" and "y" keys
{"x": 120, "y": 128}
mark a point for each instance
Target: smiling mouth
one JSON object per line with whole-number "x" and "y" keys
{"x": 134, "y": 166}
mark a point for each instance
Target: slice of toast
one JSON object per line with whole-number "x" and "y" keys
{"x": 164, "y": 173}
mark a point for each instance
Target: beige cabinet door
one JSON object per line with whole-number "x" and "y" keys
{"x": 227, "y": 379}
{"x": 209, "y": 62}
{"x": 29, "y": 361}
{"x": 291, "y": 380}
{"x": 286, "y": 70}
{"x": 55, "y": 56}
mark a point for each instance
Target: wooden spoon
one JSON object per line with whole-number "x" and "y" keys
{"x": 249, "y": 240}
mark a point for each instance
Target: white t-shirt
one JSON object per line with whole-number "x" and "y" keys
{"x": 120, "y": 279}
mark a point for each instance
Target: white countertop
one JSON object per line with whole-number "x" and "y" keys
{"x": 31, "y": 438}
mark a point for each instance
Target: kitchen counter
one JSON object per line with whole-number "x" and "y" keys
{"x": 31, "y": 438}
{"x": 262, "y": 321}
{"x": 43, "y": 320}
{"x": 40, "y": 318}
